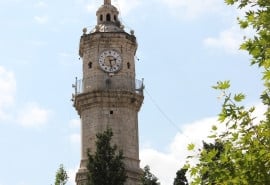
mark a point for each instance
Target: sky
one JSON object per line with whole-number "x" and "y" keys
{"x": 185, "y": 47}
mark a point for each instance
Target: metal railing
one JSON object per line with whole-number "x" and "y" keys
{"x": 107, "y": 83}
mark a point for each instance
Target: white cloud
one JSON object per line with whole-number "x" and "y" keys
{"x": 72, "y": 174}
{"x": 231, "y": 38}
{"x": 162, "y": 165}
{"x": 7, "y": 91}
{"x": 41, "y": 4}
{"x": 32, "y": 115}
{"x": 228, "y": 40}
{"x": 165, "y": 164}
{"x": 190, "y": 9}
{"x": 41, "y": 19}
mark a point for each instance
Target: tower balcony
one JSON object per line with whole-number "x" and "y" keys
{"x": 108, "y": 83}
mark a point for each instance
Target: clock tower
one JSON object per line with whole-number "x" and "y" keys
{"x": 109, "y": 96}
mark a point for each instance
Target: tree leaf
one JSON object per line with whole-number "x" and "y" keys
{"x": 222, "y": 85}
{"x": 239, "y": 97}
{"x": 214, "y": 128}
{"x": 191, "y": 147}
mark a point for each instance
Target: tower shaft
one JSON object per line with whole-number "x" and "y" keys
{"x": 109, "y": 96}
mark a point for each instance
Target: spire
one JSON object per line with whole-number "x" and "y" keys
{"x": 108, "y": 2}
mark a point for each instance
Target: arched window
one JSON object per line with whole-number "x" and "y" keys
{"x": 128, "y": 65}
{"x": 114, "y": 17}
{"x": 101, "y": 18}
{"x": 108, "y": 17}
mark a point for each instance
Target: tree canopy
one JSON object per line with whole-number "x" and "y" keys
{"x": 245, "y": 157}
{"x": 181, "y": 178}
{"x": 148, "y": 178}
{"x": 106, "y": 166}
{"x": 61, "y": 176}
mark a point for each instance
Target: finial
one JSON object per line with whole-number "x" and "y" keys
{"x": 84, "y": 30}
{"x": 107, "y": 2}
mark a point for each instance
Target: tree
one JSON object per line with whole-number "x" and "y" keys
{"x": 61, "y": 177}
{"x": 245, "y": 158}
{"x": 213, "y": 151}
{"x": 148, "y": 178}
{"x": 106, "y": 166}
{"x": 180, "y": 178}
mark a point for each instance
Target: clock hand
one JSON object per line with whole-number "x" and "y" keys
{"x": 111, "y": 63}
{"x": 112, "y": 60}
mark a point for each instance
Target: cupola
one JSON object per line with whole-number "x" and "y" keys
{"x": 107, "y": 18}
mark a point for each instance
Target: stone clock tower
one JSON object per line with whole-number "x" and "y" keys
{"x": 109, "y": 96}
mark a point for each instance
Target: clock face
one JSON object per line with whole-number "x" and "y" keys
{"x": 110, "y": 61}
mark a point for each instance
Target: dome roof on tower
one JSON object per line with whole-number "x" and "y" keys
{"x": 107, "y": 7}
{"x": 107, "y": 19}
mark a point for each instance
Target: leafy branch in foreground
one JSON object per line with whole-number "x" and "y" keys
{"x": 244, "y": 157}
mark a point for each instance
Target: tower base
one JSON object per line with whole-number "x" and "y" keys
{"x": 81, "y": 177}
{"x": 134, "y": 177}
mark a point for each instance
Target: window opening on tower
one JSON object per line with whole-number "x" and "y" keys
{"x": 108, "y": 17}
{"x": 101, "y": 18}
{"x": 90, "y": 65}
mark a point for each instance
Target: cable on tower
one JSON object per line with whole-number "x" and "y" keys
{"x": 163, "y": 113}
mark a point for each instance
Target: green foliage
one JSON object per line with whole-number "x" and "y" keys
{"x": 222, "y": 85}
{"x": 239, "y": 97}
{"x": 258, "y": 19}
{"x": 106, "y": 166}
{"x": 181, "y": 178}
{"x": 240, "y": 155}
{"x": 61, "y": 177}
{"x": 148, "y": 178}
{"x": 210, "y": 157}
{"x": 191, "y": 146}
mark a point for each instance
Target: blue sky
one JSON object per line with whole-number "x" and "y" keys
{"x": 185, "y": 47}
